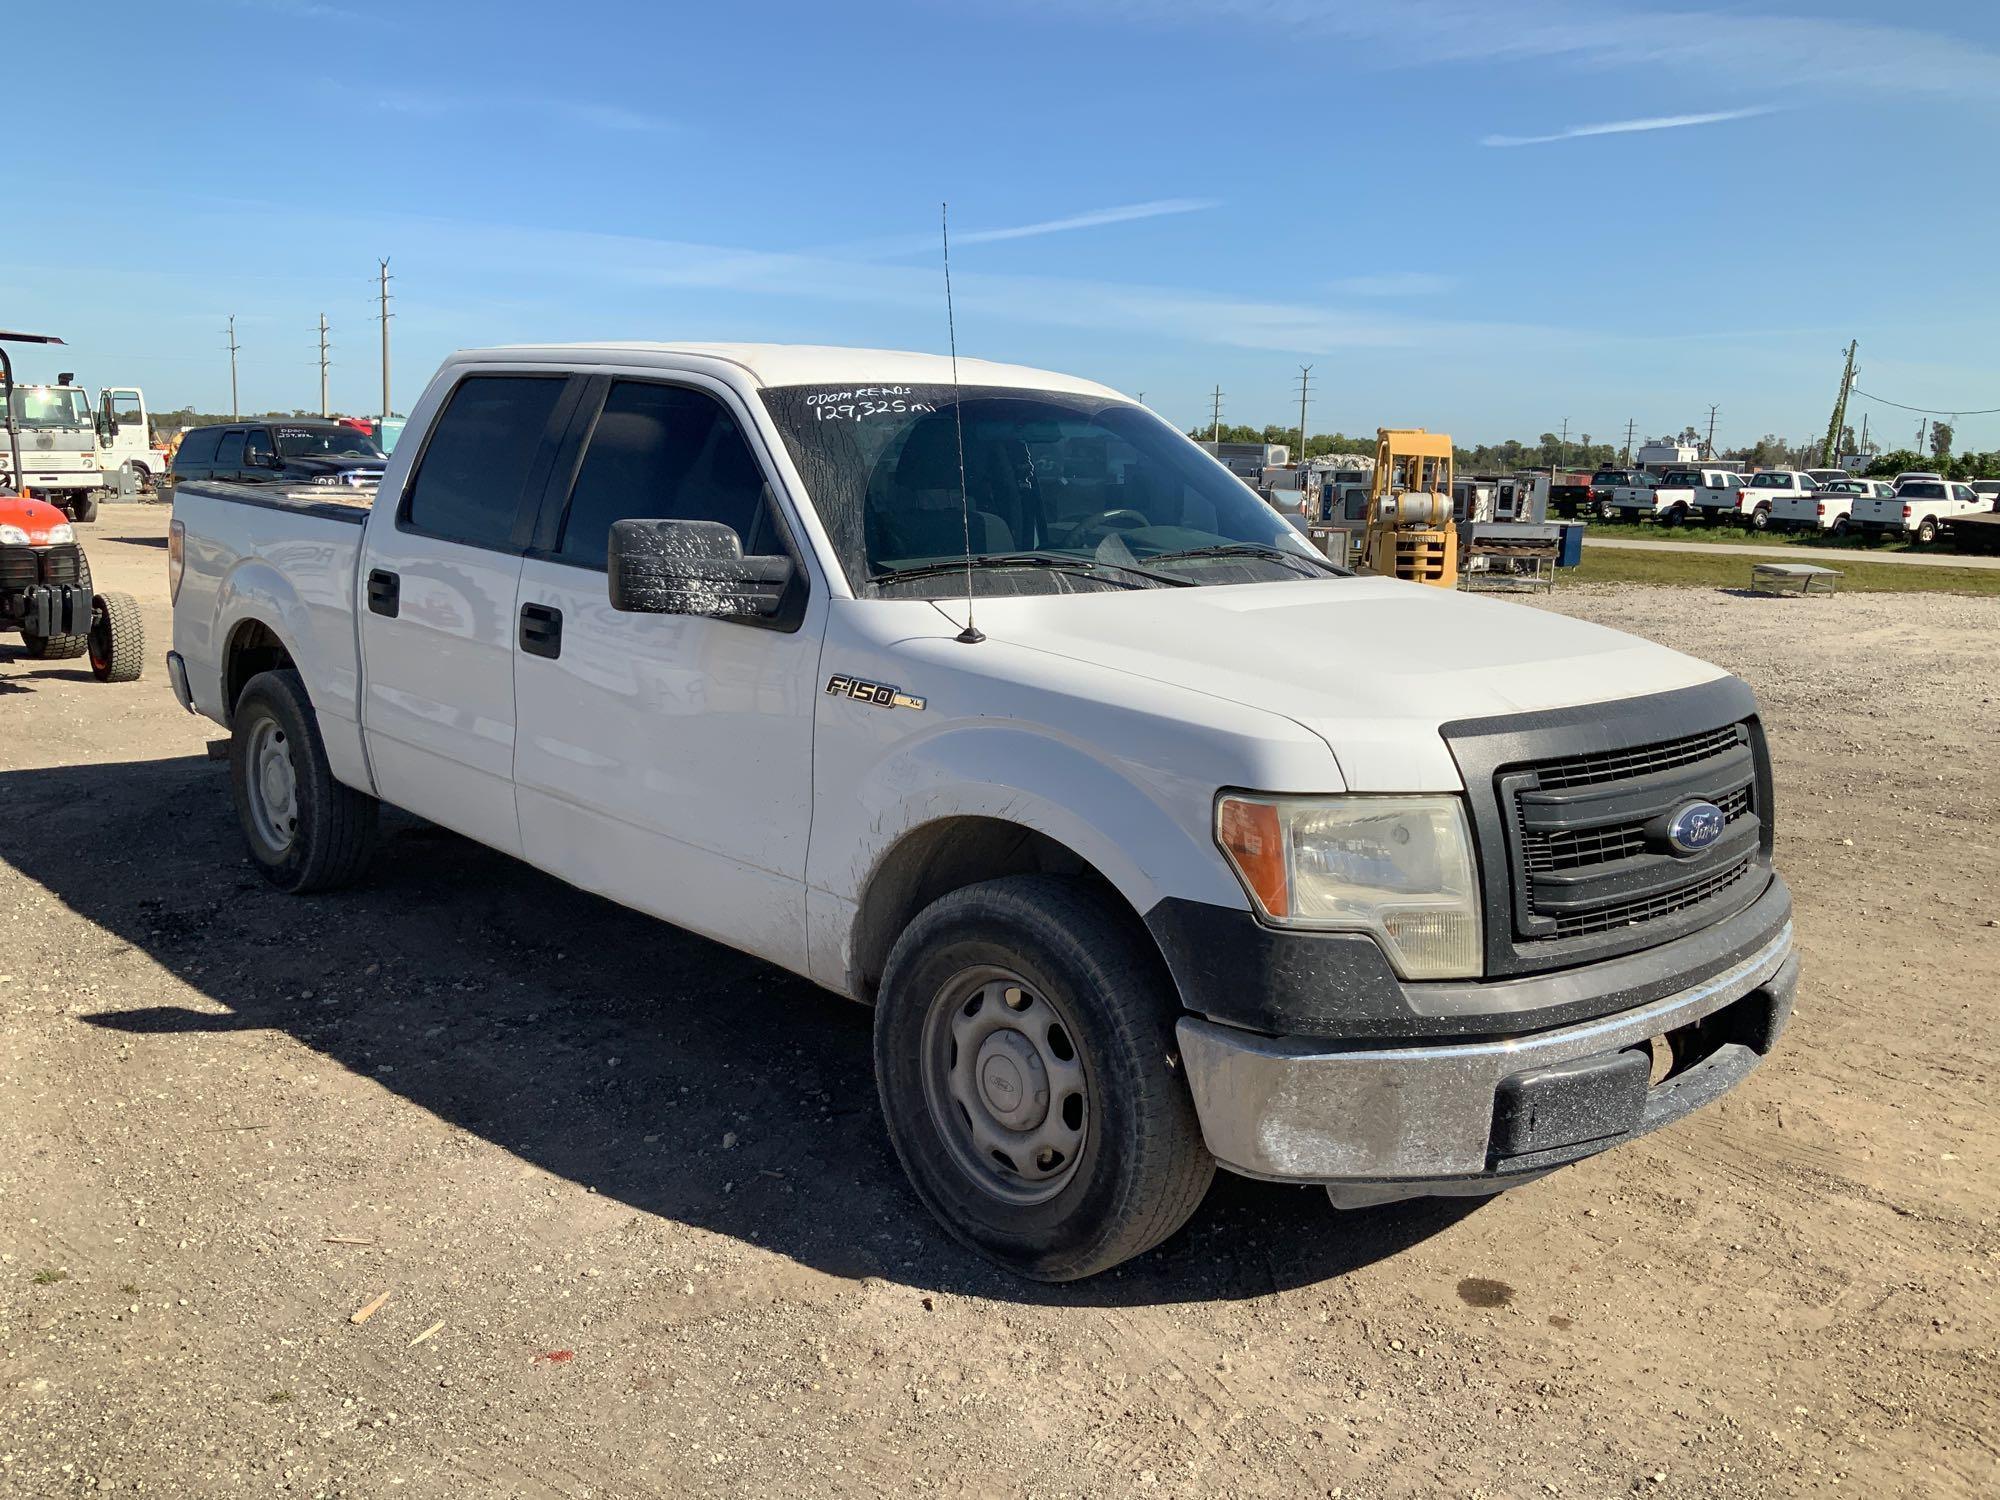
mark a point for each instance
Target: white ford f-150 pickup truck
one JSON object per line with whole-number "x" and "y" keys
{"x": 1155, "y": 840}
{"x": 1917, "y": 508}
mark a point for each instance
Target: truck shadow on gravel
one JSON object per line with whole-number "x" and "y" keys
{"x": 680, "y": 1077}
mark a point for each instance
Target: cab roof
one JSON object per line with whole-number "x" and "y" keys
{"x": 795, "y": 364}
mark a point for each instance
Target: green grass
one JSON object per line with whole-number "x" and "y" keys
{"x": 1722, "y": 570}
{"x": 1739, "y": 536}
{"x": 49, "y": 1277}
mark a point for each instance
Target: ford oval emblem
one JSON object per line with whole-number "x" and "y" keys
{"x": 1695, "y": 827}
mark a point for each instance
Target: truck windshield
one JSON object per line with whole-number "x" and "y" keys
{"x": 1064, "y": 493}
{"x": 46, "y": 407}
{"x": 327, "y": 442}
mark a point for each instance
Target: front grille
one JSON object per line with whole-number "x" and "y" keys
{"x": 24, "y": 567}
{"x": 62, "y": 564}
{"x": 1619, "y": 765}
{"x": 1631, "y": 913}
{"x": 1572, "y": 809}
{"x": 18, "y": 568}
{"x": 1590, "y": 850}
{"x": 1549, "y": 852}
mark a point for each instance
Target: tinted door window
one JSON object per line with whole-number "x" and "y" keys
{"x": 468, "y": 483}
{"x": 663, "y": 452}
{"x": 257, "y": 450}
{"x": 229, "y": 456}
{"x": 197, "y": 450}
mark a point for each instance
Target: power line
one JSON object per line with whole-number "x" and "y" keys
{"x": 1929, "y": 411}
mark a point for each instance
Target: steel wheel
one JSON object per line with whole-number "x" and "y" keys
{"x": 273, "y": 786}
{"x": 1005, "y": 1087}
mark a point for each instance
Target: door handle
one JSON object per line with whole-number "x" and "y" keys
{"x": 385, "y": 592}
{"x": 541, "y": 630}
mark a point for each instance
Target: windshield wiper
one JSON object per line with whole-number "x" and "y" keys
{"x": 1088, "y": 567}
{"x": 1248, "y": 549}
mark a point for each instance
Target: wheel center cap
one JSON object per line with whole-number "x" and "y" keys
{"x": 1013, "y": 1083}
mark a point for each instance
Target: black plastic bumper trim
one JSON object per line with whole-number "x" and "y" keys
{"x": 1231, "y": 968}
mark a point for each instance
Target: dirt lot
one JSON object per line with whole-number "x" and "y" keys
{"x": 641, "y": 1183}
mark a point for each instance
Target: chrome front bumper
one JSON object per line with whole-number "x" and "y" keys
{"x": 1383, "y": 1122}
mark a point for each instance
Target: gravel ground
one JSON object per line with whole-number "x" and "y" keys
{"x": 638, "y": 1186}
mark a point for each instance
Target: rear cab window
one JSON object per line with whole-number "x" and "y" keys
{"x": 470, "y": 478}
{"x": 229, "y": 452}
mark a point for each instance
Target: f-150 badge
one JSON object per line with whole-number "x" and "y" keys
{"x": 878, "y": 693}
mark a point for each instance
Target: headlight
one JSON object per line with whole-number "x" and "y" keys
{"x": 322, "y": 479}
{"x": 62, "y": 531}
{"x": 1400, "y": 868}
{"x": 13, "y": 536}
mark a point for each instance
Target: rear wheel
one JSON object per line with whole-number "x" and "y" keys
{"x": 1927, "y": 530}
{"x": 1024, "y": 1053}
{"x": 1842, "y": 526}
{"x": 1606, "y": 511}
{"x": 117, "y": 638}
{"x": 1760, "y": 518}
{"x": 86, "y": 507}
{"x": 306, "y": 831}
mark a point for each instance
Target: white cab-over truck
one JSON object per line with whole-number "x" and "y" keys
{"x": 70, "y": 451}
{"x": 1154, "y": 839}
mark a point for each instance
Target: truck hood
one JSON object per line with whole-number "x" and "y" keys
{"x": 334, "y": 465}
{"x": 1370, "y": 665}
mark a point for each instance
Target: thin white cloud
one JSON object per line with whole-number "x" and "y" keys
{"x": 1630, "y": 127}
{"x": 1597, "y": 34}
{"x": 1095, "y": 218}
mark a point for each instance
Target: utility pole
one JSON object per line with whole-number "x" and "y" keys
{"x": 1829, "y": 448}
{"x": 1862, "y": 446}
{"x": 1630, "y": 423}
{"x": 1142, "y": 398}
{"x": 1562, "y": 448}
{"x": 1215, "y": 425}
{"x": 385, "y": 315}
{"x": 235, "y": 414}
{"x": 1923, "y": 427}
{"x": 1305, "y": 383}
{"x": 325, "y": 409}
{"x": 1708, "y": 443}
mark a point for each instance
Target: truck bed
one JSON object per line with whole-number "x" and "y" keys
{"x": 285, "y": 555}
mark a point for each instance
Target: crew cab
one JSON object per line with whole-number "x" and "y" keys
{"x": 1919, "y": 509}
{"x": 1601, "y": 495}
{"x": 1828, "y": 508}
{"x": 1680, "y": 496}
{"x": 1155, "y": 840}
{"x": 301, "y": 452}
{"x": 1766, "y": 489}
{"x": 1633, "y": 498}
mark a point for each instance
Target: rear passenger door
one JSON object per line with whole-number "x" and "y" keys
{"x": 666, "y": 760}
{"x": 437, "y": 603}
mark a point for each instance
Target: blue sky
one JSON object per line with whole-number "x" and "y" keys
{"x": 1473, "y": 215}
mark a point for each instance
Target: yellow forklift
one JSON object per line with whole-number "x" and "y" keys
{"x": 1409, "y": 534}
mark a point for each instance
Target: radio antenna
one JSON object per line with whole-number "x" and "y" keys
{"x": 972, "y": 635}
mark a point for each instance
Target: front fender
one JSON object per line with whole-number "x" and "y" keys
{"x": 1148, "y": 837}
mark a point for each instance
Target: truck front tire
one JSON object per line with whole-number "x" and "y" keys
{"x": 306, "y": 831}
{"x": 1029, "y": 1076}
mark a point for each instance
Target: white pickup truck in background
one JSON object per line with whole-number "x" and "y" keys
{"x": 1828, "y": 508}
{"x": 1681, "y": 496}
{"x": 1155, "y": 840}
{"x": 1919, "y": 509}
{"x": 1766, "y": 489}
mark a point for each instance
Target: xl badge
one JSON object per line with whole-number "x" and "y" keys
{"x": 878, "y": 693}
{"x": 1695, "y": 827}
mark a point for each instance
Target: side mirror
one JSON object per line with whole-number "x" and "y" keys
{"x": 696, "y": 568}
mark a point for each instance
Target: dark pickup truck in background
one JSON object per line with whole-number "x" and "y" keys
{"x": 302, "y": 452}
